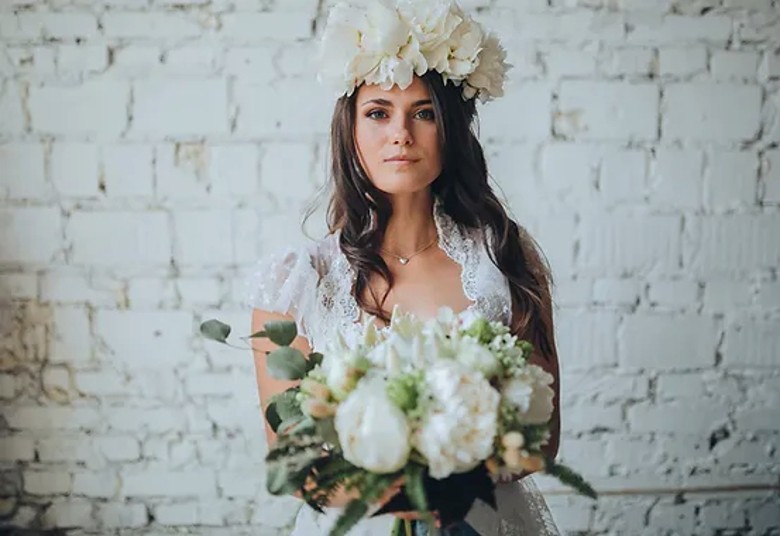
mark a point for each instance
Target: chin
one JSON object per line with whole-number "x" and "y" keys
{"x": 403, "y": 183}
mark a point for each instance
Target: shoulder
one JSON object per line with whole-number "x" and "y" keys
{"x": 284, "y": 277}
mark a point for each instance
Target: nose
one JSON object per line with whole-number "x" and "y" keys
{"x": 401, "y": 134}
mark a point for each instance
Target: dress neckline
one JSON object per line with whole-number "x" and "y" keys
{"x": 452, "y": 240}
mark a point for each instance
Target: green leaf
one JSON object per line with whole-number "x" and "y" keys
{"x": 352, "y": 514}
{"x": 335, "y": 471}
{"x": 290, "y": 426}
{"x": 315, "y": 358}
{"x": 304, "y": 424}
{"x": 281, "y": 332}
{"x": 326, "y": 428}
{"x": 287, "y": 363}
{"x": 415, "y": 486}
{"x": 281, "y": 481}
{"x": 287, "y": 405}
{"x": 215, "y": 330}
{"x": 569, "y": 477}
{"x": 272, "y": 417}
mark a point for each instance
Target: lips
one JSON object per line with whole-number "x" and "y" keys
{"x": 401, "y": 159}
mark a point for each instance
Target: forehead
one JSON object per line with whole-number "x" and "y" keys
{"x": 418, "y": 90}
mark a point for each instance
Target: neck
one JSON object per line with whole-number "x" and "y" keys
{"x": 411, "y": 226}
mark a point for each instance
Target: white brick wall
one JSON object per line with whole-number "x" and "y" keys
{"x": 151, "y": 150}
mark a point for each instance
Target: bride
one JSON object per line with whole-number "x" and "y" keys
{"x": 413, "y": 221}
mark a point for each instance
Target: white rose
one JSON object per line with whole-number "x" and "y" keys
{"x": 457, "y": 432}
{"x": 487, "y": 80}
{"x": 531, "y": 394}
{"x": 372, "y": 431}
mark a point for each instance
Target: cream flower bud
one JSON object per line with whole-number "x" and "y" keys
{"x": 512, "y": 458}
{"x": 317, "y": 408}
{"x": 315, "y": 389}
{"x": 513, "y": 440}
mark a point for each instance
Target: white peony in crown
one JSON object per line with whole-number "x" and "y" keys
{"x": 387, "y": 42}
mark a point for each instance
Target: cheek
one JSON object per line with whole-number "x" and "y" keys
{"x": 430, "y": 140}
{"x": 368, "y": 139}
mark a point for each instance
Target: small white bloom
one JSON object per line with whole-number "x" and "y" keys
{"x": 468, "y": 317}
{"x": 531, "y": 394}
{"x": 372, "y": 431}
{"x": 457, "y": 432}
{"x": 475, "y": 356}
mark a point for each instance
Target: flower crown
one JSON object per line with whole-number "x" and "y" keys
{"x": 387, "y": 42}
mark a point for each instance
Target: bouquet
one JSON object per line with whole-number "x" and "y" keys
{"x": 444, "y": 404}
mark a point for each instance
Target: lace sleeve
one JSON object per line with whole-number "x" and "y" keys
{"x": 285, "y": 282}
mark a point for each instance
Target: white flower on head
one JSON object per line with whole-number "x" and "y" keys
{"x": 372, "y": 431}
{"x": 465, "y": 43}
{"x": 387, "y": 42}
{"x": 432, "y": 23}
{"x": 529, "y": 391}
{"x": 361, "y": 43}
{"x": 457, "y": 431}
{"x": 487, "y": 80}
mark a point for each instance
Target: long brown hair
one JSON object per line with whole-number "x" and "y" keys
{"x": 361, "y": 211}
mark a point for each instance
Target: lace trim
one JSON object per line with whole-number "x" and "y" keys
{"x": 315, "y": 283}
{"x": 465, "y": 248}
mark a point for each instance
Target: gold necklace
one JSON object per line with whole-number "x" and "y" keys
{"x": 405, "y": 260}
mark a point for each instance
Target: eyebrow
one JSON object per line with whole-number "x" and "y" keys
{"x": 385, "y": 102}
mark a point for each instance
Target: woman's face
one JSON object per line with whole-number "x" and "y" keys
{"x": 397, "y": 137}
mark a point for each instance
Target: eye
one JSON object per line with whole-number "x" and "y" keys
{"x": 376, "y": 114}
{"x": 426, "y": 114}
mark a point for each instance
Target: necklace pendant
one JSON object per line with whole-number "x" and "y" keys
{"x": 403, "y": 260}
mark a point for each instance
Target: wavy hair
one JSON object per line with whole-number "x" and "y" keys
{"x": 361, "y": 211}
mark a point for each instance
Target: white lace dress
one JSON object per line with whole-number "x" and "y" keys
{"x": 312, "y": 283}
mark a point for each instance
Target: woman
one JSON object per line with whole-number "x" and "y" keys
{"x": 413, "y": 222}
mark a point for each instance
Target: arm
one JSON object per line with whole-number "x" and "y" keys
{"x": 268, "y": 386}
{"x": 550, "y": 364}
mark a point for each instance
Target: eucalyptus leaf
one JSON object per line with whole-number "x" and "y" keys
{"x": 215, "y": 330}
{"x": 287, "y": 363}
{"x": 302, "y": 424}
{"x": 272, "y": 416}
{"x": 281, "y": 332}
{"x": 287, "y": 405}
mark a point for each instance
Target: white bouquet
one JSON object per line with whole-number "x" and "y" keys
{"x": 445, "y": 403}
